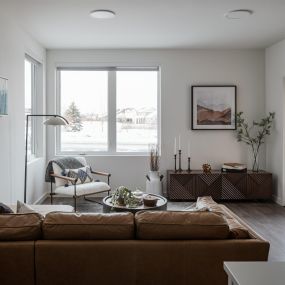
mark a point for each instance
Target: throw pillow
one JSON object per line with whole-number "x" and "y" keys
{"x": 58, "y": 171}
{"x": 23, "y": 208}
{"x": 4, "y": 209}
{"x": 195, "y": 208}
{"x": 83, "y": 175}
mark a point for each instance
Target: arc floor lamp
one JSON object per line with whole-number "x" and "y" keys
{"x": 54, "y": 120}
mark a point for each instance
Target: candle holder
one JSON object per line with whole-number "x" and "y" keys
{"x": 189, "y": 162}
{"x": 179, "y": 160}
{"x": 175, "y": 168}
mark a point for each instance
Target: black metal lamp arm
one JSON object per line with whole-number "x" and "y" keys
{"x": 26, "y": 147}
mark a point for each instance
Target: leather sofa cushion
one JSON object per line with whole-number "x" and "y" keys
{"x": 91, "y": 226}
{"x": 20, "y": 227}
{"x": 237, "y": 230}
{"x": 167, "y": 225}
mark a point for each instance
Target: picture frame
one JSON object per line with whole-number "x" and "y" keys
{"x": 213, "y": 107}
{"x": 3, "y": 96}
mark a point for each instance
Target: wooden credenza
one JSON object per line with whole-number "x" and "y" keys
{"x": 221, "y": 186}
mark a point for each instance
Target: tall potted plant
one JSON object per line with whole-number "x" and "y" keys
{"x": 254, "y": 135}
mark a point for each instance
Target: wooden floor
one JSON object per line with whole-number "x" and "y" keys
{"x": 266, "y": 218}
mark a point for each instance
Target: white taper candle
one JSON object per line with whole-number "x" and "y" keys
{"x": 188, "y": 149}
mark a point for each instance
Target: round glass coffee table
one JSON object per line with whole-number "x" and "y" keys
{"x": 109, "y": 208}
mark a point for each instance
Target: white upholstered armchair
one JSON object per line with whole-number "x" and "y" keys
{"x": 73, "y": 177}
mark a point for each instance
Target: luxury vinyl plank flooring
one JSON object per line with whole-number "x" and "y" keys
{"x": 266, "y": 218}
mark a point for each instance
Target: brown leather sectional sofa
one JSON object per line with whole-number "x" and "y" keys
{"x": 150, "y": 248}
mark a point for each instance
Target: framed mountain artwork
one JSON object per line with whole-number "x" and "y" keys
{"x": 213, "y": 107}
{"x": 3, "y": 96}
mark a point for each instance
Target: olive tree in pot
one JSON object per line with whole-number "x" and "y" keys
{"x": 254, "y": 135}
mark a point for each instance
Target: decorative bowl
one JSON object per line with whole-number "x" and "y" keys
{"x": 150, "y": 200}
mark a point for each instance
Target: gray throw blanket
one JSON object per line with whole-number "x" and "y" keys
{"x": 64, "y": 163}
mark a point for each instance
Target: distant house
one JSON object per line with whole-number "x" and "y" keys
{"x": 137, "y": 117}
{"x": 146, "y": 116}
{"x": 128, "y": 115}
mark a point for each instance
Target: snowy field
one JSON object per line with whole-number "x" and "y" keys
{"x": 94, "y": 137}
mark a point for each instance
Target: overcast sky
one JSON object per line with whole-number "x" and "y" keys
{"x": 89, "y": 89}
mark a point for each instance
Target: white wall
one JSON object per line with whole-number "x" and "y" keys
{"x": 179, "y": 70}
{"x": 14, "y": 44}
{"x": 275, "y": 101}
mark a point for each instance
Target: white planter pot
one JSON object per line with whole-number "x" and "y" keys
{"x": 154, "y": 185}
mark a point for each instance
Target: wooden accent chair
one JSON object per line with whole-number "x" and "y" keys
{"x": 76, "y": 185}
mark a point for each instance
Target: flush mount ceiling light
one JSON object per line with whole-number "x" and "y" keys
{"x": 102, "y": 14}
{"x": 238, "y": 14}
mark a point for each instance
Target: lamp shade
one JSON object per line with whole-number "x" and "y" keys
{"x": 56, "y": 121}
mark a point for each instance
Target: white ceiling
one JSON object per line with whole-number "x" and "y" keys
{"x": 149, "y": 23}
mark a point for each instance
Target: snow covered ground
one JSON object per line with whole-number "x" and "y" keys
{"x": 94, "y": 137}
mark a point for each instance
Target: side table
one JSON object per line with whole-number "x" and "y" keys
{"x": 255, "y": 273}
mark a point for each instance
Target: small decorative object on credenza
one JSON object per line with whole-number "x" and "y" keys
{"x": 189, "y": 162}
{"x": 233, "y": 167}
{"x": 206, "y": 168}
{"x": 180, "y": 155}
{"x": 179, "y": 160}
{"x": 189, "y": 158}
{"x": 175, "y": 155}
{"x": 154, "y": 180}
{"x": 255, "y": 135}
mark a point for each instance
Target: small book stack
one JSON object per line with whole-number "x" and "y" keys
{"x": 234, "y": 167}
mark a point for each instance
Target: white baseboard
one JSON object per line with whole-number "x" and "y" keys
{"x": 46, "y": 195}
{"x": 41, "y": 199}
{"x": 278, "y": 200}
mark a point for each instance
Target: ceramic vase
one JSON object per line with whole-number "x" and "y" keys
{"x": 255, "y": 161}
{"x": 154, "y": 184}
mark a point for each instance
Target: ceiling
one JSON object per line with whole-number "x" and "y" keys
{"x": 149, "y": 23}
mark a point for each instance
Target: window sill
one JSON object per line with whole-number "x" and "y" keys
{"x": 34, "y": 160}
{"x": 105, "y": 155}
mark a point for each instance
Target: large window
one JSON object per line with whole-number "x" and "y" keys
{"x": 31, "y": 69}
{"x": 110, "y": 111}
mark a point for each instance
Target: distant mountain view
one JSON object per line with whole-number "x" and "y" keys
{"x": 214, "y": 115}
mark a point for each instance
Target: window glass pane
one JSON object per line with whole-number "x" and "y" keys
{"x": 28, "y": 102}
{"x": 28, "y": 87}
{"x": 84, "y": 103}
{"x": 136, "y": 110}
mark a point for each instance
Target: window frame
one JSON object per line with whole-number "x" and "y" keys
{"x": 35, "y": 68}
{"x": 112, "y": 123}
